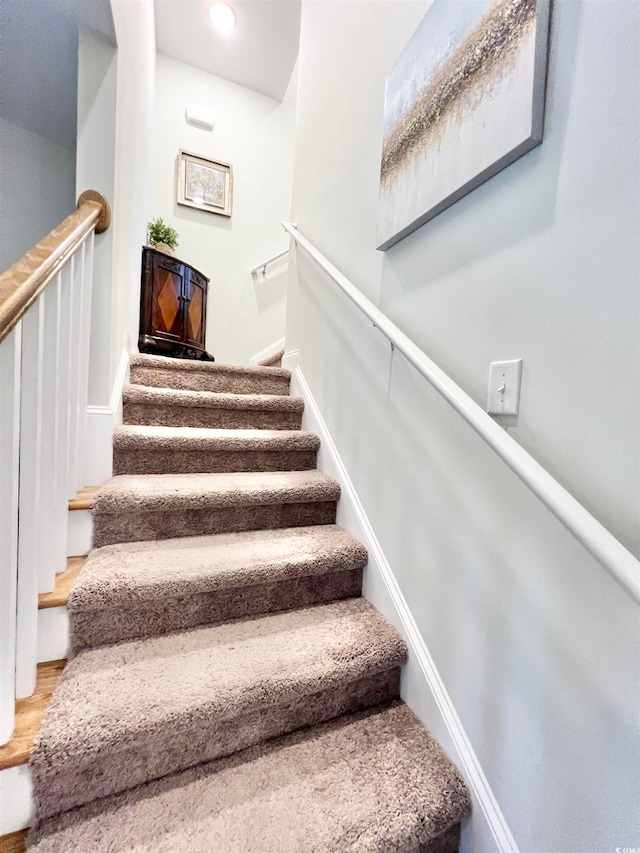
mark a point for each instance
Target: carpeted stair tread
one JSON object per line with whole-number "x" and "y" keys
{"x": 148, "y": 395}
{"x": 175, "y": 407}
{"x": 140, "y": 507}
{"x": 124, "y": 714}
{"x": 149, "y": 492}
{"x": 274, "y": 360}
{"x": 141, "y": 589}
{"x": 374, "y": 782}
{"x": 163, "y": 449}
{"x": 162, "y": 372}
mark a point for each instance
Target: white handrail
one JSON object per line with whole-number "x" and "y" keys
{"x": 620, "y": 562}
{"x": 263, "y": 266}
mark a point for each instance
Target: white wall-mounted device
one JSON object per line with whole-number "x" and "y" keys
{"x": 199, "y": 116}
{"x": 504, "y": 387}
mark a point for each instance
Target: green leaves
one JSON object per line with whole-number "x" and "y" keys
{"x": 159, "y": 232}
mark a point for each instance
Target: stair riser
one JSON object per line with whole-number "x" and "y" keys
{"x": 229, "y": 383}
{"x": 152, "y": 754}
{"x": 202, "y": 418}
{"x": 167, "y": 461}
{"x": 177, "y": 613}
{"x": 176, "y": 523}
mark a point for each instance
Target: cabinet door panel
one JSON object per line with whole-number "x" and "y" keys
{"x": 166, "y": 304}
{"x": 195, "y": 309}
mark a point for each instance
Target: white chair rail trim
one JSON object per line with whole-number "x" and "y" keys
{"x": 611, "y": 553}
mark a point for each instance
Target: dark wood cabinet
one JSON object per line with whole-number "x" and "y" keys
{"x": 173, "y": 307}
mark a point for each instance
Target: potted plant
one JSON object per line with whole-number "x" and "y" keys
{"x": 161, "y": 236}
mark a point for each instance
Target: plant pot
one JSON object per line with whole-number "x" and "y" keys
{"x": 162, "y": 247}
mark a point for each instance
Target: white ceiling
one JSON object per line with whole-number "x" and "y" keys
{"x": 259, "y": 53}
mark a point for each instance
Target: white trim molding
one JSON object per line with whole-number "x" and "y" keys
{"x": 290, "y": 359}
{"x": 422, "y": 687}
{"x": 267, "y": 352}
{"x": 17, "y": 805}
{"x": 101, "y": 421}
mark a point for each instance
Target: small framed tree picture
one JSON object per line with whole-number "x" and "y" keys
{"x": 204, "y": 184}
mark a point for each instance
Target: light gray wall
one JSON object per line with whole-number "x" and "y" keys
{"x": 37, "y": 185}
{"x": 38, "y": 84}
{"x": 95, "y": 169}
{"x": 255, "y": 134}
{"x": 536, "y": 645}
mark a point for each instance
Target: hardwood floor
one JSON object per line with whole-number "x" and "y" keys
{"x": 15, "y": 842}
{"x": 84, "y": 498}
{"x": 29, "y": 713}
{"x": 64, "y": 581}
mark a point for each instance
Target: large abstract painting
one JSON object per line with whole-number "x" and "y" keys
{"x": 465, "y": 99}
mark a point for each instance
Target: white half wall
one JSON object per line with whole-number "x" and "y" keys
{"x": 135, "y": 30}
{"x": 255, "y": 134}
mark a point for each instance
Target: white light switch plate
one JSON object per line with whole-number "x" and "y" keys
{"x": 504, "y": 387}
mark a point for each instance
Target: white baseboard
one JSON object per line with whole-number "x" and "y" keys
{"x": 16, "y": 799}
{"x": 79, "y": 532}
{"x": 267, "y": 352}
{"x": 422, "y": 687}
{"x": 53, "y": 634}
{"x": 101, "y": 421}
{"x": 290, "y": 359}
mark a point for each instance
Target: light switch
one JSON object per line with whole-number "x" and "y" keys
{"x": 504, "y": 387}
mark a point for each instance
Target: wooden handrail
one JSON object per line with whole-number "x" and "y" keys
{"x": 24, "y": 281}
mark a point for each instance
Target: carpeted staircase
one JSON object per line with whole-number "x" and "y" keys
{"x": 228, "y": 689}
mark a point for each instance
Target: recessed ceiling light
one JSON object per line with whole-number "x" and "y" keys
{"x": 223, "y": 17}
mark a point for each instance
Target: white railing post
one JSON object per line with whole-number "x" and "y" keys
{"x": 84, "y": 334}
{"x": 30, "y": 525}
{"x": 53, "y": 529}
{"x": 9, "y": 449}
{"x": 73, "y": 345}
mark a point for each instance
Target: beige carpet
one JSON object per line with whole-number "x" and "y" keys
{"x": 175, "y": 450}
{"x": 372, "y": 783}
{"x": 160, "y": 372}
{"x": 174, "y": 407}
{"x": 218, "y": 613}
{"x": 124, "y": 590}
{"x": 134, "y": 508}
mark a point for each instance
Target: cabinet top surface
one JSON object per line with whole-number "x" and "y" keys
{"x": 150, "y": 250}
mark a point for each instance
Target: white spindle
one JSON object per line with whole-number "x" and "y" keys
{"x": 9, "y": 450}
{"x": 62, "y": 399}
{"x": 30, "y": 547}
{"x": 83, "y": 357}
{"x": 53, "y": 549}
{"x": 75, "y": 292}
